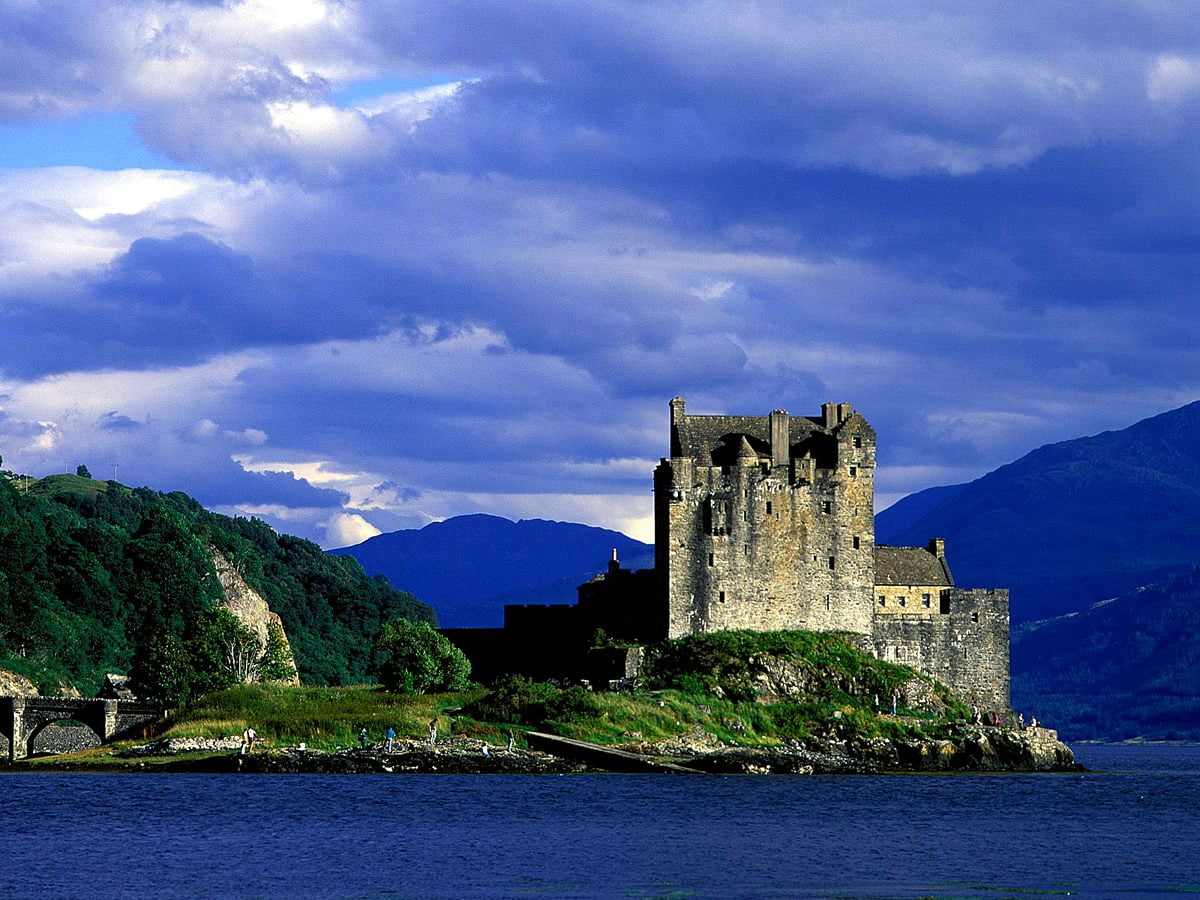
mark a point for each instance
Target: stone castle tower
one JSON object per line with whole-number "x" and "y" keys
{"x": 767, "y": 522}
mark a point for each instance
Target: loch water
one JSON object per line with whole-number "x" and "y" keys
{"x": 1127, "y": 829}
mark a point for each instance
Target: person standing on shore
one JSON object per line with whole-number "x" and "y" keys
{"x": 391, "y": 738}
{"x": 362, "y": 737}
{"x": 249, "y": 736}
{"x": 433, "y": 731}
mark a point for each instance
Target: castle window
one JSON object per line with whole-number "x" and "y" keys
{"x": 768, "y": 507}
{"x": 903, "y": 601}
{"x": 832, "y": 562}
{"x": 853, "y": 471}
{"x": 721, "y": 597}
{"x": 925, "y": 600}
{"x": 710, "y": 559}
{"x": 856, "y": 544}
{"x": 716, "y": 512}
{"x": 974, "y": 617}
{"x": 826, "y": 506}
{"x": 858, "y": 442}
{"x": 882, "y": 600}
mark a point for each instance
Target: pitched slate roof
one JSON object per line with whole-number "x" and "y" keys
{"x": 911, "y": 565}
{"x": 699, "y": 436}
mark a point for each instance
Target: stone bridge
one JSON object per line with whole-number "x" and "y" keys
{"x": 23, "y": 718}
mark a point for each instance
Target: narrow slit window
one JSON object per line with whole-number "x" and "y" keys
{"x": 768, "y": 507}
{"x": 710, "y": 559}
{"x": 856, "y": 543}
{"x": 833, "y": 562}
{"x": 721, "y": 597}
{"x": 853, "y": 471}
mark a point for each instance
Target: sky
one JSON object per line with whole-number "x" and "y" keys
{"x": 352, "y": 267}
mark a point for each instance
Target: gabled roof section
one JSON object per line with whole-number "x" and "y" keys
{"x": 911, "y": 565}
{"x": 699, "y": 436}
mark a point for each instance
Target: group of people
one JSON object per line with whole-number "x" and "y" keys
{"x": 250, "y": 737}
{"x": 979, "y": 717}
{"x": 390, "y": 740}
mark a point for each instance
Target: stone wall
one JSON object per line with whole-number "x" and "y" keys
{"x": 914, "y": 599}
{"x": 966, "y": 648}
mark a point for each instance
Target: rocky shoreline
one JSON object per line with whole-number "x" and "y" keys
{"x": 994, "y": 749}
{"x": 974, "y": 749}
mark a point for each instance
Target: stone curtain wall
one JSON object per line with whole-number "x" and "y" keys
{"x": 966, "y": 648}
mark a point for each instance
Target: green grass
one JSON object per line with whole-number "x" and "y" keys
{"x": 53, "y": 485}
{"x": 324, "y": 718}
{"x": 702, "y": 683}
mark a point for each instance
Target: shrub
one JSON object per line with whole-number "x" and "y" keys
{"x": 412, "y": 658}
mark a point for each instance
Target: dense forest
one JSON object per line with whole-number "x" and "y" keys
{"x": 97, "y": 577}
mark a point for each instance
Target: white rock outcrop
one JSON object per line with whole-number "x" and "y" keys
{"x": 249, "y": 607}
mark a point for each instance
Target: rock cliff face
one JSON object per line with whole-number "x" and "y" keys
{"x": 777, "y": 678}
{"x": 14, "y": 685}
{"x": 250, "y": 608}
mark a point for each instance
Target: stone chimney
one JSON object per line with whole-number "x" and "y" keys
{"x": 829, "y": 414}
{"x": 937, "y": 547}
{"x": 780, "y": 438}
{"x": 677, "y": 405}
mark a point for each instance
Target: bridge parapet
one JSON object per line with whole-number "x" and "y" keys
{"x": 23, "y": 718}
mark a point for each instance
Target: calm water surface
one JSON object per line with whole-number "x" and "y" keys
{"x": 1128, "y": 831}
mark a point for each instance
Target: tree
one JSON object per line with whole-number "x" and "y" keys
{"x": 410, "y": 657}
{"x": 82, "y": 472}
{"x": 226, "y": 650}
{"x": 276, "y": 663}
{"x": 162, "y": 671}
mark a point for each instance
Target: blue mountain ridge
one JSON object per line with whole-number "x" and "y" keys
{"x": 1070, "y": 523}
{"x": 468, "y": 567}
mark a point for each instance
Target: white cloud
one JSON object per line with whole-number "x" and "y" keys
{"x": 346, "y": 529}
{"x": 1173, "y": 78}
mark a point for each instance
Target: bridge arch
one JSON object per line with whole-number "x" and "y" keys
{"x": 47, "y": 724}
{"x": 23, "y": 718}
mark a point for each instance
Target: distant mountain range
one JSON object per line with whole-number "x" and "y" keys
{"x": 1127, "y": 667}
{"x": 469, "y": 567}
{"x": 1070, "y": 523}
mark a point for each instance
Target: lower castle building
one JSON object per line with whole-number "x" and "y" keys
{"x": 767, "y": 523}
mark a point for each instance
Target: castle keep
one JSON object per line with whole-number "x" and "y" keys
{"x": 768, "y": 523}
